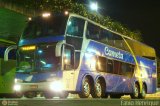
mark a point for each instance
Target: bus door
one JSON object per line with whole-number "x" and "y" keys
{"x": 68, "y": 67}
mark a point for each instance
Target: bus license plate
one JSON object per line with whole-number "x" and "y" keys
{"x": 34, "y": 86}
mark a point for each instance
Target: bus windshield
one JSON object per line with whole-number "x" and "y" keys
{"x": 45, "y": 26}
{"x": 42, "y": 59}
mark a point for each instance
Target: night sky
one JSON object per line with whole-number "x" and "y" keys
{"x": 142, "y": 15}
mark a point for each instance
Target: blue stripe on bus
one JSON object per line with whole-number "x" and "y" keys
{"x": 41, "y": 40}
{"x": 103, "y": 49}
{"x": 94, "y": 47}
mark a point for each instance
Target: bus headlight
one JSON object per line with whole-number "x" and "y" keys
{"x": 17, "y": 87}
{"x": 56, "y": 86}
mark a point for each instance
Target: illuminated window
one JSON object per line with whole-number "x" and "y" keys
{"x": 117, "y": 67}
{"x": 127, "y": 69}
{"x": 109, "y": 66}
{"x": 101, "y": 64}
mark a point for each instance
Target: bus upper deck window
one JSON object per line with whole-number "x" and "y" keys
{"x": 75, "y": 27}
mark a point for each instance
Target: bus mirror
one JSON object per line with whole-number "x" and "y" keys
{"x": 58, "y": 49}
{"x": 68, "y": 57}
{"x": 8, "y": 50}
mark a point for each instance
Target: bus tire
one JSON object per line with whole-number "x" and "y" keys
{"x": 64, "y": 95}
{"x": 98, "y": 90}
{"x": 135, "y": 93}
{"x": 85, "y": 89}
{"x": 144, "y": 91}
{"x": 48, "y": 95}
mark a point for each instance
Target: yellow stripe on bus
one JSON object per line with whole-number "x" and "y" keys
{"x": 138, "y": 73}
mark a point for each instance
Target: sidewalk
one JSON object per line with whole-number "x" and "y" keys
{"x": 155, "y": 95}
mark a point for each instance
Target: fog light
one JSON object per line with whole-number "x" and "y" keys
{"x": 17, "y": 87}
{"x": 56, "y": 86}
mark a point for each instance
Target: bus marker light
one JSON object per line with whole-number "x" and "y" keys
{"x": 154, "y": 75}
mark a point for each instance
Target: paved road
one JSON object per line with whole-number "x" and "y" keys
{"x": 73, "y": 100}
{"x": 80, "y": 102}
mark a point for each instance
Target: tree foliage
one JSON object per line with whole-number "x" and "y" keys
{"x": 62, "y": 5}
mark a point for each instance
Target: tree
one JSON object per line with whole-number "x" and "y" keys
{"x": 62, "y": 5}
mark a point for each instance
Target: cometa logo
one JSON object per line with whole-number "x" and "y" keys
{"x": 114, "y": 54}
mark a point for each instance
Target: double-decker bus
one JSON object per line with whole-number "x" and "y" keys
{"x": 60, "y": 54}
{"x": 7, "y": 69}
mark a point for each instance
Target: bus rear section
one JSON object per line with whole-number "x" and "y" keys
{"x": 117, "y": 72}
{"x": 147, "y": 66}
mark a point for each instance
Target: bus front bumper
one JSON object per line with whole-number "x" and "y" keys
{"x": 55, "y": 86}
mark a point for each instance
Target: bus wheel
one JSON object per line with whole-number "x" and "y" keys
{"x": 135, "y": 93}
{"x": 115, "y": 96}
{"x": 48, "y": 95}
{"x": 64, "y": 95}
{"x": 143, "y": 94}
{"x": 98, "y": 90}
{"x": 86, "y": 89}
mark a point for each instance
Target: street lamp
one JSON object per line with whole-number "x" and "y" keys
{"x": 94, "y": 6}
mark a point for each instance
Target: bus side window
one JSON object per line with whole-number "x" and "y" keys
{"x": 127, "y": 69}
{"x": 109, "y": 36}
{"x": 117, "y": 67}
{"x": 101, "y": 64}
{"x": 103, "y": 36}
{"x": 93, "y": 32}
{"x": 77, "y": 58}
{"x": 109, "y": 66}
